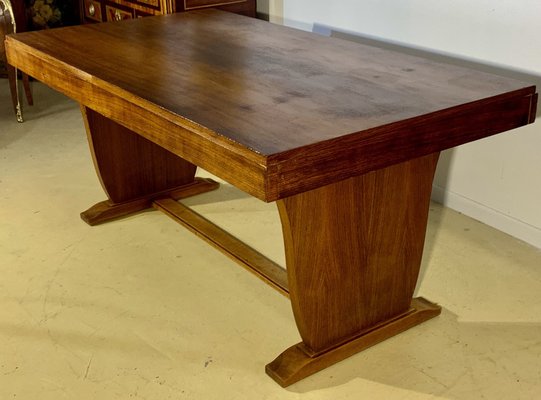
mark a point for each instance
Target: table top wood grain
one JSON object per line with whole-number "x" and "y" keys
{"x": 273, "y": 110}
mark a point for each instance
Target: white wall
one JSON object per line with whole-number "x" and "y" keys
{"x": 496, "y": 180}
{"x": 271, "y": 10}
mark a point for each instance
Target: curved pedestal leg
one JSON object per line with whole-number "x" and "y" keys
{"x": 134, "y": 171}
{"x": 353, "y": 253}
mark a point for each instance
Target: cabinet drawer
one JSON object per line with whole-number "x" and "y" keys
{"x": 149, "y": 6}
{"x": 114, "y": 13}
{"x": 92, "y": 10}
{"x": 140, "y": 14}
{"x": 192, "y": 4}
{"x": 153, "y": 3}
{"x": 116, "y": 10}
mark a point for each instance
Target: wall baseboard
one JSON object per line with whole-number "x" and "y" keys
{"x": 511, "y": 226}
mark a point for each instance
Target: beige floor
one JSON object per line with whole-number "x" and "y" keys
{"x": 140, "y": 308}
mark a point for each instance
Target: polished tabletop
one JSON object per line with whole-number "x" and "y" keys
{"x": 302, "y": 109}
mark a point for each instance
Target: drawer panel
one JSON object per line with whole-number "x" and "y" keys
{"x": 92, "y": 10}
{"x": 114, "y": 13}
{"x": 140, "y": 14}
{"x": 193, "y": 4}
{"x": 153, "y": 3}
{"x": 156, "y": 6}
{"x": 115, "y": 10}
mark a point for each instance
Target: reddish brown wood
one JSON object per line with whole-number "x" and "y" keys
{"x": 91, "y": 11}
{"x": 353, "y": 250}
{"x": 106, "y": 211}
{"x": 171, "y": 131}
{"x": 295, "y": 364}
{"x": 244, "y": 7}
{"x": 533, "y": 108}
{"x": 394, "y": 143}
{"x": 129, "y": 166}
{"x": 106, "y": 10}
{"x": 115, "y": 13}
{"x": 344, "y": 136}
{"x": 12, "y": 79}
{"x": 27, "y": 89}
{"x": 134, "y": 171}
{"x": 253, "y": 261}
{"x": 306, "y": 121}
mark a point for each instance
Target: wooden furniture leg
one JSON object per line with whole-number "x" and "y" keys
{"x": 353, "y": 253}
{"x": 27, "y": 89}
{"x": 7, "y": 26}
{"x": 14, "y": 89}
{"x": 134, "y": 171}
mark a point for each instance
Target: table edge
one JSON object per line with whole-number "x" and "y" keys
{"x": 227, "y": 159}
{"x": 280, "y": 175}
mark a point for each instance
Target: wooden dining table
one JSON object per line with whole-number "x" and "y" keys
{"x": 344, "y": 137}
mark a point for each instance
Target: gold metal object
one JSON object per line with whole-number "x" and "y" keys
{"x": 7, "y": 7}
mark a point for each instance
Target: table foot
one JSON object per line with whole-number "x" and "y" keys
{"x": 295, "y": 364}
{"x": 107, "y": 210}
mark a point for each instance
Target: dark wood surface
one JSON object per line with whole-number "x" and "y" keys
{"x": 140, "y": 169}
{"x": 114, "y": 10}
{"x": 346, "y": 138}
{"x": 134, "y": 171}
{"x": 243, "y": 7}
{"x": 288, "y": 110}
{"x": 295, "y": 364}
{"x": 19, "y": 11}
{"x": 346, "y": 242}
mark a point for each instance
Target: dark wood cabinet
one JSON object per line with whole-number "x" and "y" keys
{"x": 116, "y": 10}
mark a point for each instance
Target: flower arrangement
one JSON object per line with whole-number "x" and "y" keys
{"x": 45, "y": 13}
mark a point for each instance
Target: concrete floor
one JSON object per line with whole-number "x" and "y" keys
{"x": 141, "y": 308}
